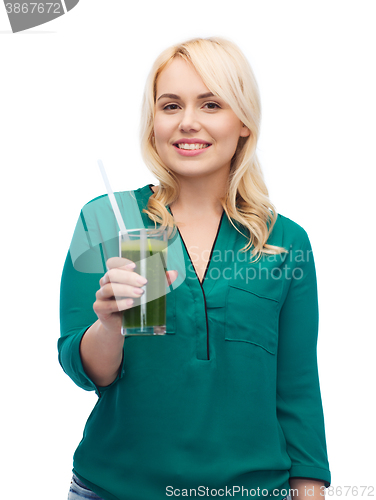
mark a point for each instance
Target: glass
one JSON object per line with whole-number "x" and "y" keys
{"x": 147, "y": 248}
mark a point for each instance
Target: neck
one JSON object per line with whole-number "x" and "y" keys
{"x": 200, "y": 196}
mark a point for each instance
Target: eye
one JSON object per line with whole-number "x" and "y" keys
{"x": 212, "y": 104}
{"x": 169, "y": 106}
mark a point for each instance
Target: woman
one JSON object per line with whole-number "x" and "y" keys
{"x": 228, "y": 402}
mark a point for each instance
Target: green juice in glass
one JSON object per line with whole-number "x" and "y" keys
{"x": 153, "y": 322}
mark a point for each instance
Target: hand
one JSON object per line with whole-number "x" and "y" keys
{"x": 117, "y": 287}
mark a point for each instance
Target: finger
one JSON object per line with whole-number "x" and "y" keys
{"x": 119, "y": 291}
{"x": 123, "y": 304}
{"x": 121, "y": 275}
{"x": 171, "y": 276}
{"x": 112, "y": 306}
{"x": 118, "y": 262}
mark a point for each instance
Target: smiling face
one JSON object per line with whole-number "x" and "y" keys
{"x": 189, "y": 114}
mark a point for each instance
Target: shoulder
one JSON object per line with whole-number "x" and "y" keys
{"x": 120, "y": 196}
{"x": 291, "y": 227}
{"x": 289, "y": 232}
{"x": 99, "y": 213}
{"x": 96, "y": 199}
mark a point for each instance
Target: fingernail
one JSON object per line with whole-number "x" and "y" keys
{"x": 142, "y": 281}
{"x": 139, "y": 291}
{"x": 132, "y": 265}
{"x": 129, "y": 302}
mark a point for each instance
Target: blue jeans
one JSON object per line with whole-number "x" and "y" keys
{"x": 78, "y": 491}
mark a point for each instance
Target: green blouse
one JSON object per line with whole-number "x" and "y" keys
{"x": 230, "y": 398}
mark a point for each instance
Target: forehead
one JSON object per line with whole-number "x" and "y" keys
{"x": 179, "y": 75}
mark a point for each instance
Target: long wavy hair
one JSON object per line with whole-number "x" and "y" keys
{"x": 226, "y": 72}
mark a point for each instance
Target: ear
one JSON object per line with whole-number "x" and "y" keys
{"x": 244, "y": 132}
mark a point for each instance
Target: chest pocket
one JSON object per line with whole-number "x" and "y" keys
{"x": 251, "y": 316}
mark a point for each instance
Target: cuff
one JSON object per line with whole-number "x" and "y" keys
{"x": 71, "y": 362}
{"x": 308, "y": 472}
{"x": 99, "y": 390}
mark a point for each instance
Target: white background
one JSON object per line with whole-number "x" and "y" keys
{"x": 70, "y": 93}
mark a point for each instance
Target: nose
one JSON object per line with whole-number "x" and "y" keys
{"x": 189, "y": 121}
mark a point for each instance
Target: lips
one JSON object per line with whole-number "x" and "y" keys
{"x": 194, "y": 140}
{"x": 191, "y": 152}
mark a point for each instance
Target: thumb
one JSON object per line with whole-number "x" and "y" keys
{"x": 171, "y": 276}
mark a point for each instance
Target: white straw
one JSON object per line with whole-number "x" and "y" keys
{"x": 143, "y": 273}
{"x": 113, "y": 201}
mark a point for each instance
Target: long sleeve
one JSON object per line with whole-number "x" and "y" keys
{"x": 77, "y": 295}
{"x": 83, "y": 268}
{"x": 299, "y": 405}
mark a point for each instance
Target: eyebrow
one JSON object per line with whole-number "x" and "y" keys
{"x": 174, "y": 96}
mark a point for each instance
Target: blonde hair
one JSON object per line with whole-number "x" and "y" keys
{"x": 227, "y": 73}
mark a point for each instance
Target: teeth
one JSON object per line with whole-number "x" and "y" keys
{"x": 192, "y": 146}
